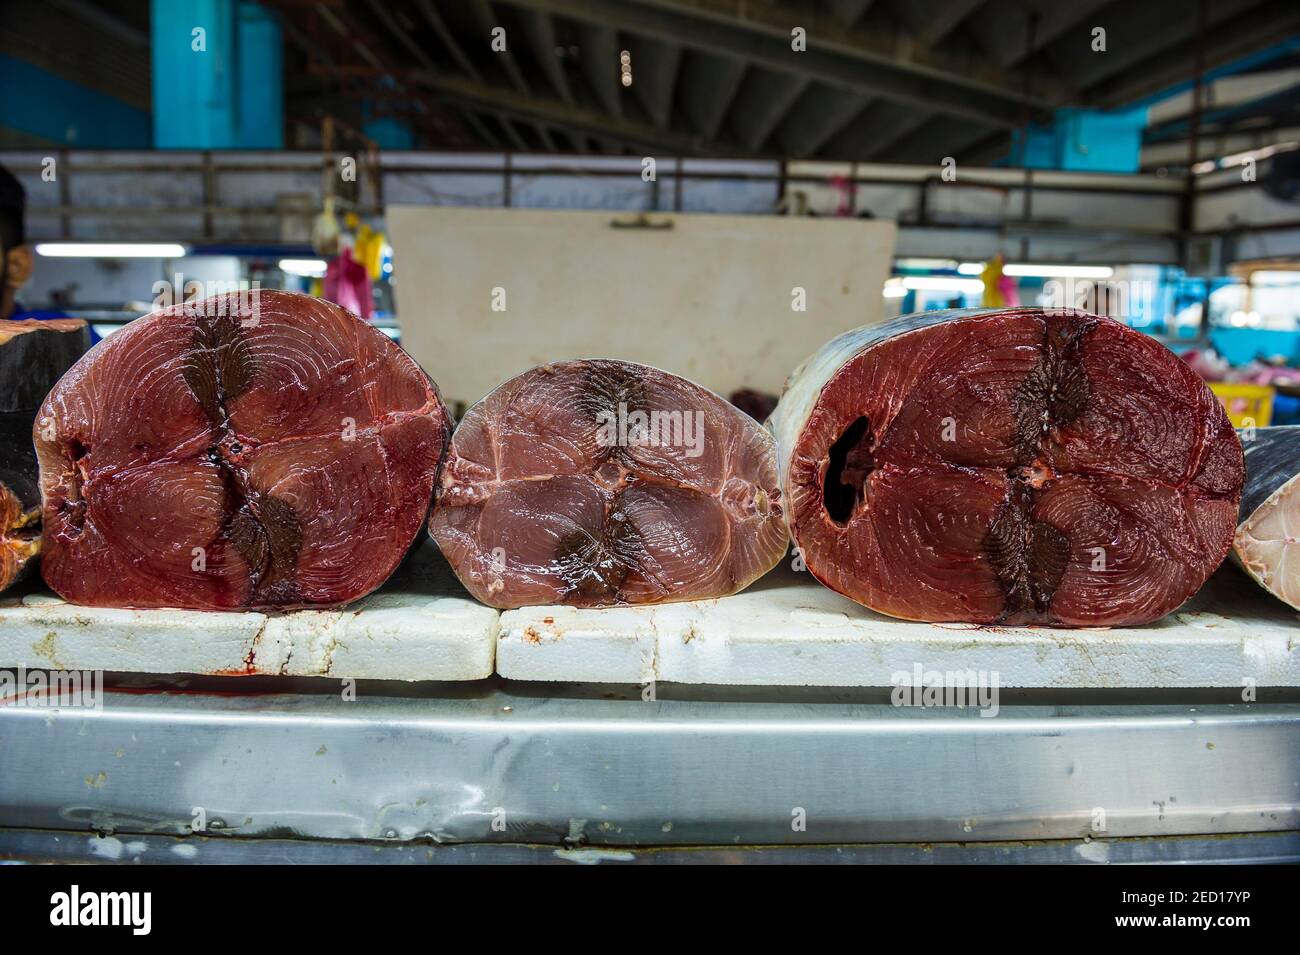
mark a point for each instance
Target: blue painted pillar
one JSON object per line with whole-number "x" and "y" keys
{"x": 261, "y": 78}
{"x": 192, "y": 43}
{"x": 217, "y": 75}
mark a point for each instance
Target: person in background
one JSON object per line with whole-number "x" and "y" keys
{"x": 15, "y": 254}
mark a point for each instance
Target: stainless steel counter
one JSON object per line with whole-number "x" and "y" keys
{"x": 586, "y": 767}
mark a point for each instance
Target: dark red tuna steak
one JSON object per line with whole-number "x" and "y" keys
{"x": 258, "y": 450}
{"x": 1007, "y": 466}
{"x": 598, "y": 483}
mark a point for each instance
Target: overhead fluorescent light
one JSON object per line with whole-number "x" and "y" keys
{"x": 970, "y": 268}
{"x": 307, "y": 268}
{"x": 1274, "y": 277}
{"x": 895, "y": 291}
{"x": 1240, "y": 159}
{"x": 1035, "y": 271}
{"x": 942, "y": 283}
{"x": 921, "y": 263}
{"x": 110, "y": 250}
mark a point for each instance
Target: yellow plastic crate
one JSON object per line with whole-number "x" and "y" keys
{"x": 1247, "y": 405}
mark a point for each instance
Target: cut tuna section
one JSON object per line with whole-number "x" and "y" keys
{"x": 33, "y": 356}
{"x": 1013, "y": 466}
{"x": 599, "y": 483}
{"x": 256, "y": 450}
{"x": 1267, "y": 542}
{"x": 20, "y": 512}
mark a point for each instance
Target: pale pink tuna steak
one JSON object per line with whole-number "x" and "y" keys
{"x": 599, "y": 483}
{"x": 263, "y": 450}
{"x": 1014, "y": 466}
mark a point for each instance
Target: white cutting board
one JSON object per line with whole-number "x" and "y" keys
{"x": 712, "y": 298}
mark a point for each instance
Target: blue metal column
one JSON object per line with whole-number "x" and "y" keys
{"x": 217, "y": 75}
{"x": 261, "y": 78}
{"x": 192, "y": 43}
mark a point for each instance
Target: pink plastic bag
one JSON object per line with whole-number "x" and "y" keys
{"x": 347, "y": 283}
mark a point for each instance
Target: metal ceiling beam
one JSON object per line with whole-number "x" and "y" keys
{"x": 817, "y": 116}
{"x": 934, "y": 141}
{"x": 516, "y": 137}
{"x": 480, "y": 128}
{"x": 449, "y": 42}
{"x": 540, "y": 29}
{"x": 763, "y": 101}
{"x": 559, "y": 114}
{"x": 107, "y": 22}
{"x": 849, "y": 12}
{"x": 1003, "y": 29}
{"x": 359, "y": 40}
{"x": 933, "y": 20}
{"x": 987, "y": 151}
{"x": 865, "y": 131}
{"x": 544, "y": 134}
{"x": 599, "y": 57}
{"x": 487, "y": 22}
{"x": 1136, "y": 33}
{"x": 402, "y": 37}
{"x": 654, "y": 77}
{"x": 849, "y": 60}
{"x": 896, "y": 132}
{"x": 895, "y": 47}
{"x": 709, "y": 84}
{"x": 1229, "y": 41}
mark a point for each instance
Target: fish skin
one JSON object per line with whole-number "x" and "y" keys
{"x": 1264, "y": 544}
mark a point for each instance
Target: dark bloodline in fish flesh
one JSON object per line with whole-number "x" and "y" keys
{"x": 1030, "y": 556}
{"x": 1015, "y": 466}
{"x": 538, "y": 506}
{"x": 247, "y": 452}
{"x": 263, "y": 528}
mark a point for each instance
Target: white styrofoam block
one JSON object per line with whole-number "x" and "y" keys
{"x": 456, "y": 638}
{"x": 44, "y": 632}
{"x": 788, "y": 630}
{"x": 615, "y": 645}
{"x": 419, "y": 626}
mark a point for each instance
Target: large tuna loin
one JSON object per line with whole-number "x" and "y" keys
{"x": 599, "y": 483}
{"x": 256, "y": 450}
{"x": 1267, "y": 542}
{"x": 1011, "y": 466}
{"x": 33, "y": 356}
